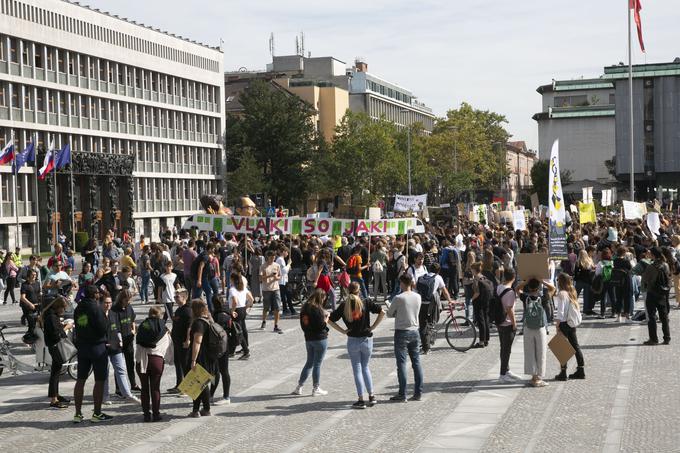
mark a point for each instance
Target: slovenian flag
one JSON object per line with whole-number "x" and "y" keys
{"x": 7, "y": 153}
{"x": 636, "y": 6}
{"x": 27, "y": 155}
{"x": 48, "y": 165}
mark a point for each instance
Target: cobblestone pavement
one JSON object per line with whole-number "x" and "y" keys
{"x": 629, "y": 402}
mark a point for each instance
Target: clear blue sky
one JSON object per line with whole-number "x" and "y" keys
{"x": 490, "y": 53}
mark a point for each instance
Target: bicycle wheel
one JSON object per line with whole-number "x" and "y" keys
{"x": 460, "y": 337}
{"x": 72, "y": 368}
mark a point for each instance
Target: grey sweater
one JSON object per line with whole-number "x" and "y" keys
{"x": 404, "y": 309}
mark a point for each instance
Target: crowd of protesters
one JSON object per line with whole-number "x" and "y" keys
{"x": 192, "y": 281}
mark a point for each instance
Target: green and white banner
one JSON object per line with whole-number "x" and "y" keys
{"x": 302, "y": 226}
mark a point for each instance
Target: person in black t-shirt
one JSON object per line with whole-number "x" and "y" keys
{"x": 199, "y": 354}
{"x": 222, "y": 316}
{"x": 29, "y": 299}
{"x": 181, "y": 322}
{"x": 313, "y": 322}
{"x": 356, "y": 314}
{"x": 128, "y": 330}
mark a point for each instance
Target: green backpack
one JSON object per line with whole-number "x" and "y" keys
{"x": 607, "y": 267}
{"x": 534, "y": 314}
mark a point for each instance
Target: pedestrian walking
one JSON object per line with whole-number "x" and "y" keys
{"x": 508, "y": 328}
{"x": 54, "y": 332}
{"x": 128, "y": 330}
{"x": 534, "y": 329}
{"x": 240, "y": 301}
{"x": 181, "y": 323}
{"x": 199, "y": 353}
{"x": 657, "y": 280}
{"x": 270, "y": 275}
{"x": 567, "y": 319}
{"x": 222, "y": 316}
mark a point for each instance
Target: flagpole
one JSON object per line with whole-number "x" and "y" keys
{"x": 56, "y": 222}
{"x": 630, "y": 105}
{"x": 37, "y": 198}
{"x": 17, "y": 240}
{"x": 73, "y": 212}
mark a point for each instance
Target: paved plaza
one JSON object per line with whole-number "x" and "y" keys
{"x": 629, "y": 402}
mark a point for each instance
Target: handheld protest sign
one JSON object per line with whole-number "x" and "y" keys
{"x": 532, "y": 265}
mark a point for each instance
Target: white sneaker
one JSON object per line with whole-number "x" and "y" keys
{"x": 134, "y": 399}
{"x": 618, "y": 318}
{"x": 317, "y": 391}
{"x": 222, "y": 402}
{"x": 513, "y": 376}
{"x": 107, "y": 403}
{"x": 297, "y": 391}
{"x": 505, "y": 379}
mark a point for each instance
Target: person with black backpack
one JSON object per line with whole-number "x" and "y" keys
{"x": 222, "y": 316}
{"x": 203, "y": 338}
{"x": 657, "y": 280}
{"x": 430, "y": 287}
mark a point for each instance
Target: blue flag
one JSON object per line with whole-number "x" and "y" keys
{"x": 27, "y": 155}
{"x": 63, "y": 157}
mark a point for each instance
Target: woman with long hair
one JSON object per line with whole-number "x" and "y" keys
{"x": 468, "y": 279}
{"x": 313, "y": 319}
{"x": 11, "y": 271}
{"x": 222, "y": 315}
{"x": 584, "y": 272}
{"x": 356, "y": 314}
{"x": 567, "y": 319}
{"x": 199, "y": 353}
{"x": 240, "y": 300}
{"x": 53, "y": 330}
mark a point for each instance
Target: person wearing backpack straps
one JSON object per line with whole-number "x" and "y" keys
{"x": 450, "y": 265}
{"x": 432, "y": 289}
{"x": 534, "y": 332}
{"x": 657, "y": 280}
{"x": 355, "y": 266}
{"x": 482, "y": 291}
{"x": 199, "y": 353}
{"x": 508, "y": 328}
{"x": 604, "y": 268}
{"x": 567, "y": 319}
{"x": 222, "y": 316}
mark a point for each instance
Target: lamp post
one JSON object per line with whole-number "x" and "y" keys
{"x": 503, "y": 164}
{"x": 408, "y": 149}
{"x": 222, "y": 140}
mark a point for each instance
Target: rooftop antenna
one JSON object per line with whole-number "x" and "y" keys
{"x": 272, "y": 49}
{"x": 302, "y": 43}
{"x": 297, "y": 46}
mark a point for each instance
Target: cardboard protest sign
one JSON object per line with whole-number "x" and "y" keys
{"x": 560, "y": 346}
{"x": 194, "y": 382}
{"x": 532, "y": 265}
{"x": 586, "y": 212}
{"x": 405, "y": 203}
{"x": 505, "y": 216}
{"x": 633, "y": 210}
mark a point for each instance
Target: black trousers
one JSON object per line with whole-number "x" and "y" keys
{"x": 657, "y": 302}
{"x": 241, "y": 320}
{"x": 507, "y": 335}
{"x": 223, "y": 370}
{"x": 453, "y": 284}
{"x": 480, "y": 313}
{"x": 181, "y": 361}
{"x": 204, "y": 398}
{"x": 11, "y": 283}
{"x": 423, "y": 316}
{"x": 55, "y": 371}
{"x": 129, "y": 354}
{"x": 570, "y": 333}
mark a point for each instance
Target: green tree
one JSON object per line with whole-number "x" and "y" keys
{"x": 277, "y": 128}
{"x": 539, "y": 179}
{"x": 246, "y": 179}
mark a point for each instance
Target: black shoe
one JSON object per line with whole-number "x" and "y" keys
{"x": 277, "y": 329}
{"x": 245, "y": 356}
{"x": 173, "y": 391}
{"x": 372, "y": 401}
{"x": 563, "y": 375}
{"x": 263, "y": 325}
{"x": 58, "y": 405}
{"x": 63, "y": 400}
{"x": 147, "y": 418}
{"x": 136, "y": 388}
{"x": 578, "y": 374}
{"x": 650, "y": 343}
{"x": 416, "y": 397}
{"x": 23, "y": 320}
{"x": 157, "y": 418}
{"x": 399, "y": 398}
{"x": 232, "y": 355}
{"x": 118, "y": 393}
{"x": 361, "y": 404}
{"x": 668, "y": 341}
{"x": 478, "y": 345}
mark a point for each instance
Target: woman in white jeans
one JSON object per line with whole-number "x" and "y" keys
{"x": 114, "y": 349}
{"x": 356, "y": 314}
{"x": 534, "y": 330}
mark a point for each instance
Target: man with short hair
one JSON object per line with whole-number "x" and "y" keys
{"x": 188, "y": 256}
{"x": 270, "y": 275}
{"x": 181, "y": 325}
{"x": 508, "y": 328}
{"x": 91, "y": 334}
{"x": 405, "y": 309}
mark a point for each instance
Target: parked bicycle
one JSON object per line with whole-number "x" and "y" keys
{"x": 297, "y": 286}
{"x": 43, "y": 360}
{"x": 459, "y": 331}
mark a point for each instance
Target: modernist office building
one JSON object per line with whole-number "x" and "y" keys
{"x": 141, "y": 109}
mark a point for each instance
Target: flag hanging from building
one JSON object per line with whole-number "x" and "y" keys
{"x": 556, "y": 212}
{"x": 63, "y": 157}
{"x": 27, "y": 155}
{"x": 7, "y": 153}
{"x": 636, "y": 7}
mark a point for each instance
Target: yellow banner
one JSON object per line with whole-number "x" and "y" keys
{"x": 194, "y": 382}
{"x": 586, "y": 212}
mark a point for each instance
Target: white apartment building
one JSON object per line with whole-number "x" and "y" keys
{"x": 142, "y": 110}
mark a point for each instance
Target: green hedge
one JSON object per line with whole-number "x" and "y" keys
{"x": 81, "y": 239}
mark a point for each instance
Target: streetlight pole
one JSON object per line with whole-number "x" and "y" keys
{"x": 408, "y": 149}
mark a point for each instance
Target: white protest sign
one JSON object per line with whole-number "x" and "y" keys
{"x": 633, "y": 210}
{"x": 518, "y": 220}
{"x": 654, "y": 223}
{"x": 587, "y": 194}
{"x": 403, "y": 203}
{"x": 606, "y": 197}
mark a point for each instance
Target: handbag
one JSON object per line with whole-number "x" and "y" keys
{"x": 66, "y": 349}
{"x": 343, "y": 279}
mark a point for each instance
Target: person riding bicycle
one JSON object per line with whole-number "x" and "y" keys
{"x": 431, "y": 287}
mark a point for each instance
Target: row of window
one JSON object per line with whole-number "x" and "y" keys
{"x": 387, "y": 91}
{"x": 88, "y": 30}
{"x": 169, "y": 190}
{"x": 89, "y": 107}
{"x": 99, "y": 72}
{"x": 397, "y": 114}
{"x": 582, "y": 100}
{"x": 162, "y": 157}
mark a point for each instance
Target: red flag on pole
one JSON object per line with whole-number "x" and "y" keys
{"x": 635, "y": 5}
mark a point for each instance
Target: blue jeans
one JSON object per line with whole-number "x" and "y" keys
{"x": 362, "y": 287}
{"x": 396, "y": 289}
{"x": 408, "y": 342}
{"x": 316, "y": 350}
{"x": 144, "y": 290}
{"x": 360, "y": 349}
{"x": 207, "y": 290}
{"x": 468, "y": 300}
{"x": 120, "y": 374}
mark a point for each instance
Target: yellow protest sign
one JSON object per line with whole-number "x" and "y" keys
{"x": 586, "y": 212}
{"x": 194, "y": 382}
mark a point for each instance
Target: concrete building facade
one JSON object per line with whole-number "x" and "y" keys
{"x": 580, "y": 113}
{"x": 520, "y": 160}
{"x": 142, "y": 110}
